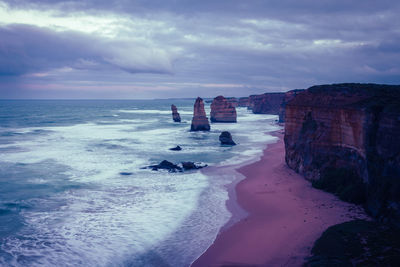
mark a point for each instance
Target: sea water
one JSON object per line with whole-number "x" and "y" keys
{"x": 64, "y": 201}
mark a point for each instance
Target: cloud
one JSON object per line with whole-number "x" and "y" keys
{"x": 198, "y": 46}
{"x": 26, "y": 49}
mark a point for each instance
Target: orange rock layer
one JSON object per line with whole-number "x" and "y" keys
{"x": 222, "y": 110}
{"x": 346, "y": 138}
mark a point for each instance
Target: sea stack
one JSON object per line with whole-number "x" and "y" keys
{"x": 226, "y": 138}
{"x": 222, "y": 110}
{"x": 199, "y": 121}
{"x": 175, "y": 115}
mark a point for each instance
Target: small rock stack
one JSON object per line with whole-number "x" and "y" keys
{"x": 175, "y": 115}
{"x": 226, "y": 139}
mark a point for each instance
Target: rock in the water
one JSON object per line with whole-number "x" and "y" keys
{"x": 175, "y": 115}
{"x": 166, "y": 165}
{"x": 199, "y": 121}
{"x": 222, "y": 110}
{"x": 126, "y": 173}
{"x": 188, "y": 165}
{"x": 171, "y": 167}
{"x": 177, "y": 148}
{"x": 226, "y": 138}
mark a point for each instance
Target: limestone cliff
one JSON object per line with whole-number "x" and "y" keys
{"x": 222, "y": 110}
{"x": 268, "y": 103}
{"x": 346, "y": 139}
{"x": 243, "y": 102}
{"x": 199, "y": 120}
{"x": 233, "y": 100}
{"x": 288, "y": 96}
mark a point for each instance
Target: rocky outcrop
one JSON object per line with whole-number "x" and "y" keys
{"x": 199, "y": 120}
{"x": 222, "y": 110}
{"x": 177, "y": 148}
{"x": 175, "y": 115}
{"x": 171, "y": 167}
{"x": 188, "y": 165}
{"x": 346, "y": 139}
{"x": 226, "y": 138}
{"x": 268, "y": 103}
{"x": 243, "y": 102}
{"x": 166, "y": 165}
{"x": 288, "y": 96}
{"x": 233, "y": 100}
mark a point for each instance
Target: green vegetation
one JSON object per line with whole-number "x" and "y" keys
{"x": 357, "y": 243}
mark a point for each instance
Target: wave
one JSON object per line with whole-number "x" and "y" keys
{"x": 153, "y": 111}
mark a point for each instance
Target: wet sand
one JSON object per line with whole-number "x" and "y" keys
{"x": 285, "y": 216}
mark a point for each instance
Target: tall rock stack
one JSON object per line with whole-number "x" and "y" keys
{"x": 222, "y": 110}
{"x": 199, "y": 120}
{"x": 175, "y": 115}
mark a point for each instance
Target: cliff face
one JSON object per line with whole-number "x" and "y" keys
{"x": 288, "y": 96}
{"x": 175, "y": 115}
{"x": 199, "y": 120}
{"x": 346, "y": 139}
{"x": 222, "y": 110}
{"x": 233, "y": 100}
{"x": 268, "y": 103}
{"x": 243, "y": 102}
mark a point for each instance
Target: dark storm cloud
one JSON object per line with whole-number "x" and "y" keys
{"x": 252, "y": 8}
{"x": 26, "y": 49}
{"x": 254, "y": 45}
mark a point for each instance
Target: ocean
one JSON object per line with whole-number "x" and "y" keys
{"x": 64, "y": 201}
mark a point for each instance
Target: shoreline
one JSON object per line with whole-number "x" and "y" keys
{"x": 276, "y": 215}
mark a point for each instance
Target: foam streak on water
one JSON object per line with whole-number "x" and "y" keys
{"x": 63, "y": 201}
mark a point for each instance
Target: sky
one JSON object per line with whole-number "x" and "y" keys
{"x": 140, "y": 49}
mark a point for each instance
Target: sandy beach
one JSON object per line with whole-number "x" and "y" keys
{"x": 285, "y": 216}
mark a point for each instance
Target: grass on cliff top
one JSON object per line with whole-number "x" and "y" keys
{"x": 357, "y": 243}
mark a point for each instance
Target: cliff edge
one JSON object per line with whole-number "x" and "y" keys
{"x": 345, "y": 138}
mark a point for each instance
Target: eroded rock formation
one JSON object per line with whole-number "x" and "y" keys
{"x": 199, "y": 120}
{"x": 233, "y": 100}
{"x": 243, "y": 102}
{"x": 175, "y": 115}
{"x": 177, "y": 148}
{"x": 346, "y": 139}
{"x": 226, "y": 139}
{"x": 268, "y": 103}
{"x": 222, "y": 110}
{"x": 288, "y": 96}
